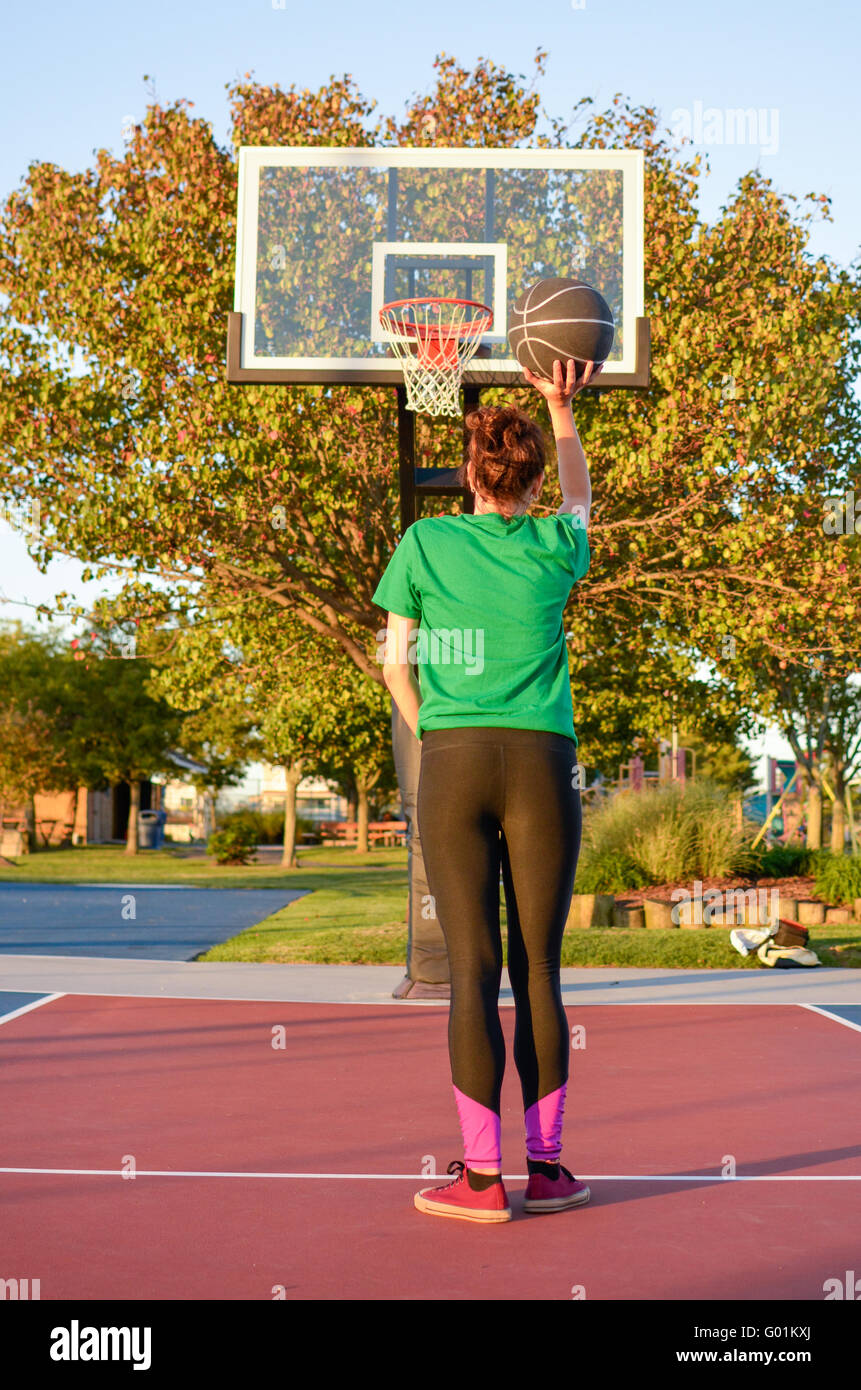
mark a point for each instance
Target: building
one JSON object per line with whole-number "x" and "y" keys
{"x": 190, "y": 812}
{"x": 315, "y": 798}
{"x": 100, "y": 817}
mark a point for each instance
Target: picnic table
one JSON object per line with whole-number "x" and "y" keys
{"x": 346, "y": 832}
{"x": 52, "y": 823}
{"x": 387, "y": 832}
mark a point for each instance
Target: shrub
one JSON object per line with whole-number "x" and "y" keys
{"x": 268, "y": 826}
{"x": 671, "y": 834}
{"x": 610, "y": 872}
{"x": 233, "y": 845}
{"x": 781, "y": 861}
{"x": 837, "y": 877}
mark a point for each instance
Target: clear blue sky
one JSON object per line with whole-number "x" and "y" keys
{"x": 74, "y": 73}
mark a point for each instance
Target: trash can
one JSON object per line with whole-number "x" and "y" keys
{"x": 147, "y": 829}
{"x": 161, "y": 817}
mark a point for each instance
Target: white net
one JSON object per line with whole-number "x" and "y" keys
{"x": 435, "y": 338}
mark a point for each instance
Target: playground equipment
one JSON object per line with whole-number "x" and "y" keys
{"x": 783, "y": 781}
{"x": 672, "y": 767}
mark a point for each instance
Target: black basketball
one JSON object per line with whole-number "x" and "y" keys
{"x": 558, "y": 319}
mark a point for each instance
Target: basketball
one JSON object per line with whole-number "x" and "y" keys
{"x": 557, "y": 319}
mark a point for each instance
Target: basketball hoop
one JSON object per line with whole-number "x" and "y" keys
{"x": 435, "y": 338}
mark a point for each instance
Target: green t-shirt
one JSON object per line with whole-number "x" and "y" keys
{"x": 490, "y": 594}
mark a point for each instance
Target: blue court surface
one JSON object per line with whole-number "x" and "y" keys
{"x": 128, "y": 920}
{"x": 13, "y": 1003}
{"x": 849, "y": 1013}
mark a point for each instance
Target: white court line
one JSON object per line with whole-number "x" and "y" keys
{"x": 421, "y": 1177}
{"x": 26, "y": 1008}
{"x": 569, "y": 992}
{"x": 570, "y": 987}
{"x": 835, "y": 1018}
{"x": 213, "y": 998}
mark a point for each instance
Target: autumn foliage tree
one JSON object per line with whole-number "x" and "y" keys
{"x": 300, "y": 703}
{"x": 80, "y": 714}
{"x": 281, "y": 500}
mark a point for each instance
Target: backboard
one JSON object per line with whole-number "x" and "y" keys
{"x": 326, "y": 236}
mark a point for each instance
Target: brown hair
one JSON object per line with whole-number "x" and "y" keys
{"x": 507, "y": 451}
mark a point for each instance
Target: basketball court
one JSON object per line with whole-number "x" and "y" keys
{"x": 192, "y": 1131}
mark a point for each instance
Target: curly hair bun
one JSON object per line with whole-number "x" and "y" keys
{"x": 506, "y": 449}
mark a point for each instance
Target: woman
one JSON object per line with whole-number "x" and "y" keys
{"x": 481, "y": 597}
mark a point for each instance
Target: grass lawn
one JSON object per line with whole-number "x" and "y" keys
{"x": 355, "y": 911}
{"x": 182, "y": 866}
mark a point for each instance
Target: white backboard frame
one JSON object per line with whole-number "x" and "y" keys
{"x": 253, "y": 158}
{"x": 495, "y": 249}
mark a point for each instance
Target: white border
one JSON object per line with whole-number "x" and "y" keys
{"x": 28, "y": 1008}
{"x": 825, "y": 1012}
{"x": 252, "y": 158}
{"x": 433, "y": 1177}
{"x": 497, "y": 249}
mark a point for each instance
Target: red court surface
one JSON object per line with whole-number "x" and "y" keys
{"x": 194, "y": 1089}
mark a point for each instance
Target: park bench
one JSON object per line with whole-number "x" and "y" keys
{"x": 380, "y": 832}
{"x": 338, "y": 832}
{"x": 387, "y": 832}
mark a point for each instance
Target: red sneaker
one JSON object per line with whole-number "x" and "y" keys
{"x": 458, "y": 1199}
{"x": 554, "y": 1194}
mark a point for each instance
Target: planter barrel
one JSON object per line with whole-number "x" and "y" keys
{"x": 788, "y": 907}
{"x": 856, "y": 910}
{"x": 690, "y": 914}
{"x": 811, "y": 913}
{"x": 723, "y": 917}
{"x": 838, "y": 914}
{"x": 627, "y": 915}
{"x": 757, "y": 914}
{"x": 658, "y": 915}
{"x": 591, "y": 910}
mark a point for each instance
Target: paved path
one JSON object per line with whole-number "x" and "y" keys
{"x": 373, "y": 984}
{"x": 143, "y": 921}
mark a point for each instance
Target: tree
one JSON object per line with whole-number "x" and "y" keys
{"x": 305, "y": 706}
{"x": 631, "y": 689}
{"x": 721, "y": 762}
{"x": 30, "y": 761}
{"x": 124, "y": 733}
{"x": 280, "y": 502}
{"x": 38, "y": 750}
{"x": 357, "y": 737}
{"x": 818, "y": 710}
{"x": 221, "y": 737}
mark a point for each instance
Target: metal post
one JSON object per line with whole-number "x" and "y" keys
{"x": 406, "y": 460}
{"x": 471, "y": 399}
{"x": 427, "y": 970}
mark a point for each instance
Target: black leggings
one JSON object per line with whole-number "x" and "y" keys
{"x": 492, "y": 798}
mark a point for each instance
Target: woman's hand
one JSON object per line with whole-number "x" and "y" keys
{"x": 564, "y": 387}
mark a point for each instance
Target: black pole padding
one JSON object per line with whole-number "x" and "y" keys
{"x": 406, "y": 460}
{"x": 471, "y": 399}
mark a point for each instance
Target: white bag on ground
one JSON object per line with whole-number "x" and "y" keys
{"x": 782, "y": 945}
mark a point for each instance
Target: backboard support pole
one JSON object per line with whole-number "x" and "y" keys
{"x": 418, "y": 483}
{"x": 427, "y": 964}
{"x": 406, "y": 460}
